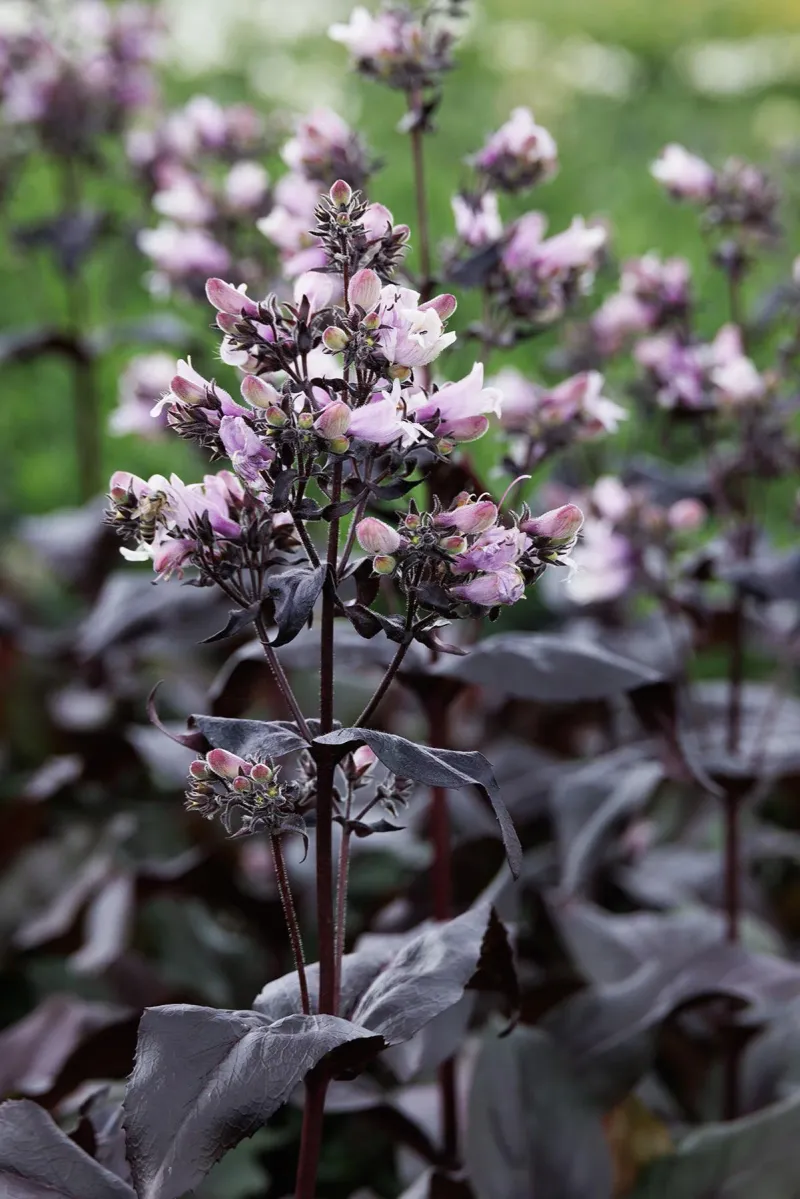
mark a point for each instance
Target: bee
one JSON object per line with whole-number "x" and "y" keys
{"x": 150, "y": 510}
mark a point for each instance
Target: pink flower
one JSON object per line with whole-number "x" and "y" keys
{"x": 171, "y": 553}
{"x": 603, "y": 565}
{"x": 575, "y": 249}
{"x": 247, "y": 453}
{"x": 315, "y": 287}
{"x": 504, "y": 586}
{"x": 526, "y": 236}
{"x": 377, "y": 221}
{"x": 738, "y": 381}
{"x": 259, "y": 392}
{"x": 385, "y": 420}
{"x": 458, "y": 402}
{"x": 180, "y": 252}
{"x": 375, "y": 537}
{"x": 321, "y": 137}
{"x": 232, "y": 300}
{"x": 611, "y": 499}
{"x": 468, "y": 517}
{"x": 560, "y": 525}
{"x": 143, "y": 382}
{"x": 686, "y": 515}
{"x": 520, "y": 153}
{"x": 478, "y": 221}
{"x": 184, "y": 201}
{"x": 334, "y": 420}
{"x": 246, "y": 186}
{"x": 496, "y": 548}
{"x": 683, "y": 174}
{"x": 619, "y": 316}
{"x": 367, "y": 36}
{"x": 410, "y": 335}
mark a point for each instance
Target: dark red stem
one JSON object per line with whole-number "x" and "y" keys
{"x": 290, "y": 912}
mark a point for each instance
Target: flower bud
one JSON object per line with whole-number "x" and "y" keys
{"x": 227, "y": 298}
{"x": 371, "y": 322}
{"x": 341, "y": 193}
{"x": 241, "y": 785}
{"x": 558, "y": 526}
{"x": 401, "y": 233}
{"x": 226, "y": 765}
{"x": 199, "y": 770}
{"x": 399, "y": 372}
{"x": 276, "y": 417}
{"x": 687, "y": 515}
{"x": 305, "y": 421}
{"x": 384, "y": 564}
{"x": 504, "y": 586}
{"x": 188, "y": 390}
{"x": 333, "y": 421}
{"x": 261, "y": 773}
{"x": 453, "y": 544}
{"x": 339, "y": 445}
{"x": 335, "y": 339}
{"x": 469, "y": 517}
{"x": 444, "y": 305}
{"x": 365, "y": 289}
{"x": 375, "y": 537}
{"x": 259, "y": 392}
{"x": 412, "y": 522}
{"x": 363, "y": 760}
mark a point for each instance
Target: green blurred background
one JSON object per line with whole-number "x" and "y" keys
{"x": 613, "y": 80}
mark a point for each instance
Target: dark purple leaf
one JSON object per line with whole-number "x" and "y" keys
{"x": 532, "y": 1131}
{"x": 104, "y": 1116}
{"x": 281, "y": 997}
{"x": 551, "y": 669}
{"x": 237, "y": 622}
{"x": 39, "y": 1161}
{"x": 434, "y": 768}
{"x": 294, "y": 593}
{"x": 257, "y": 739}
{"x": 206, "y": 1079}
{"x": 430, "y": 973}
{"x": 437, "y": 1184}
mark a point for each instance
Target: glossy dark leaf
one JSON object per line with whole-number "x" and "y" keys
{"x": 104, "y": 1116}
{"x": 434, "y": 768}
{"x": 257, "y": 739}
{"x": 281, "y": 997}
{"x": 754, "y": 1156}
{"x": 294, "y": 593}
{"x": 206, "y": 1079}
{"x": 552, "y": 669}
{"x": 39, "y": 1161}
{"x": 532, "y": 1131}
{"x": 237, "y": 622}
{"x": 430, "y": 973}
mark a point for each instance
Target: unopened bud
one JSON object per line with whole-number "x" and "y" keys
{"x": 558, "y": 526}
{"x": 341, "y": 193}
{"x": 335, "y": 339}
{"x": 261, "y": 773}
{"x": 198, "y": 770}
{"x": 371, "y": 322}
{"x": 226, "y": 765}
{"x": 227, "y": 298}
{"x": 276, "y": 418}
{"x": 363, "y": 760}
{"x": 401, "y": 233}
{"x": 444, "y": 305}
{"x": 365, "y": 289}
{"x": 399, "y": 372}
{"x": 305, "y": 421}
{"x": 384, "y": 564}
{"x": 259, "y": 392}
{"x": 687, "y": 515}
{"x": 241, "y": 785}
{"x": 334, "y": 420}
{"x": 469, "y": 517}
{"x": 339, "y": 445}
{"x": 453, "y": 544}
{"x": 375, "y": 537}
{"x": 412, "y": 522}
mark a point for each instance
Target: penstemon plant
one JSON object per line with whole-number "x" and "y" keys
{"x": 332, "y": 417}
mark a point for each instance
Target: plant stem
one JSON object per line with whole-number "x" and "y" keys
{"x": 290, "y": 912}
{"x": 314, "y": 1110}
{"x": 341, "y": 893}
{"x": 282, "y": 682}
{"x": 442, "y": 880}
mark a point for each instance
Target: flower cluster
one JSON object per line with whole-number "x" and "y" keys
{"x": 739, "y": 198}
{"x": 401, "y": 47}
{"x": 75, "y": 79}
{"x": 245, "y": 796}
{"x": 323, "y": 149}
{"x": 528, "y": 279}
{"x": 700, "y": 376}
{"x": 519, "y": 155}
{"x": 466, "y": 555}
{"x": 653, "y": 294}
{"x": 201, "y": 167}
{"x": 214, "y": 526}
{"x": 542, "y": 420}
